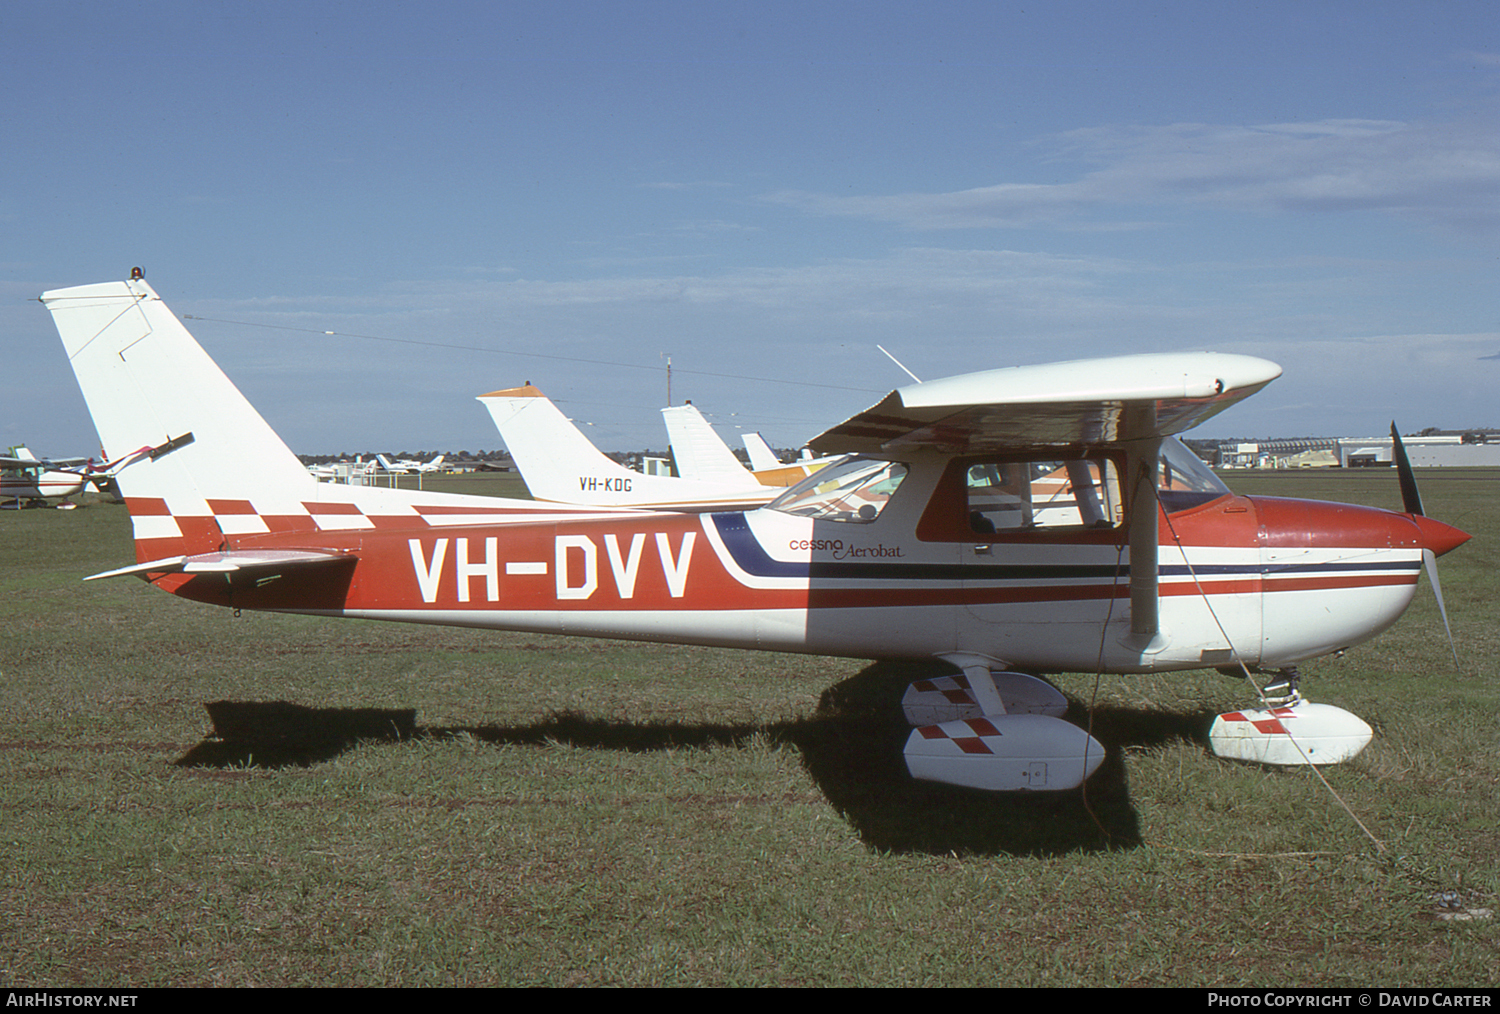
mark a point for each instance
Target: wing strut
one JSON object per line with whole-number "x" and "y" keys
{"x": 1142, "y": 463}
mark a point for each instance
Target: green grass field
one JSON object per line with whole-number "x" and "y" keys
{"x": 602, "y": 813}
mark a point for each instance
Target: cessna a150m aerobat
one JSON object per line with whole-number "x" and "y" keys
{"x": 1039, "y": 519}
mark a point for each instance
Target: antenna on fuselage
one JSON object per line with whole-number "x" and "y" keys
{"x": 899, "y": 363}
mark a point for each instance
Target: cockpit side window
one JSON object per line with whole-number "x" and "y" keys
{"x": 1047, "y": 494}
{"x": 1074, "y": 495}
{"x": 855, "y": 490}
{"x": 1042, "y": 493}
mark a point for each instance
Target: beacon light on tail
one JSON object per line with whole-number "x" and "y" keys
{"x": 1020, "y": 521}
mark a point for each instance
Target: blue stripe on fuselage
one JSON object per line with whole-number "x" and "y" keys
{"x": 751, "y": 557}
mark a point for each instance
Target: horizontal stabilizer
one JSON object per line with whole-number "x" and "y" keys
{"x": 229, "y": 562}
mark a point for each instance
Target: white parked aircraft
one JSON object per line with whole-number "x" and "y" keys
{"x": 408, "y": 466}
{"x": 26, "y": 480}
{"x": 760, "y": 453}
{"x": 560, "y": 465}
{"x": 701, "y": 454}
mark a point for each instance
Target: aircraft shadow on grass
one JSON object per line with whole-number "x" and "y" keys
{"x": 851, "y": 746}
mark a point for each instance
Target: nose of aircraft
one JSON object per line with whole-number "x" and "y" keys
{"x": 1438, "y": 537}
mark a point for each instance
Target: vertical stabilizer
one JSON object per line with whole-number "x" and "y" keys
{"x": 561, "y": 465}
{"x": 762, "y": 458}
{"x": 698, "y": 450}
{"x": 149, "y": 384}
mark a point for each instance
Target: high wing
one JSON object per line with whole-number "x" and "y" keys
{"x": 54, "y": 464}
{"x": 1133, "y": 402}
{"x": 1086, "y": 403}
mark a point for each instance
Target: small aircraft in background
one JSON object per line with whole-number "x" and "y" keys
{"x": 410, "y": 466}
{"x": 358, "y": 470}
{"x": 763, "y": 459}
{"x": 1010, "y": 523}
{"x": 759, "y": 452}
{"x": 561, "y": 465}
{"x": 26, "y": 480}
{"x": 700, "y": 453}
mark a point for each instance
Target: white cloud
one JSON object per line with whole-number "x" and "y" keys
{"x": 1433, "y": 173}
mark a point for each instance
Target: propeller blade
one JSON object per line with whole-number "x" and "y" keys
{"x": 1412, "y": 501}
{"x": 1410, "y": 498}
{"x": 1429, "y": 559}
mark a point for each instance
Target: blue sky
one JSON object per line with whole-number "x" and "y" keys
{"x": 473, "y": 195}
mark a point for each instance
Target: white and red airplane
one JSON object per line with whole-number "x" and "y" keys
{"x": 26, "y": 480}
{"x": 1040, "y": 519}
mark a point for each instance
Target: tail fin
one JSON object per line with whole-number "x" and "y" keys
{"x": 770, "y": 470}
{"x": 559, "y": 464}
{"x": 195, "y": 446}
{"x": 761, "y": 456}
{"x": 697, "y": 449}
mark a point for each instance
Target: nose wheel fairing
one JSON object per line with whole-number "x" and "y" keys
{"x": 1289, "y": 730}
{"x": 1290, "y": 735}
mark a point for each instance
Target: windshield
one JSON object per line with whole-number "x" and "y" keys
{"x": 856, "y": 489}
{"x": 1185, "y": 480}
